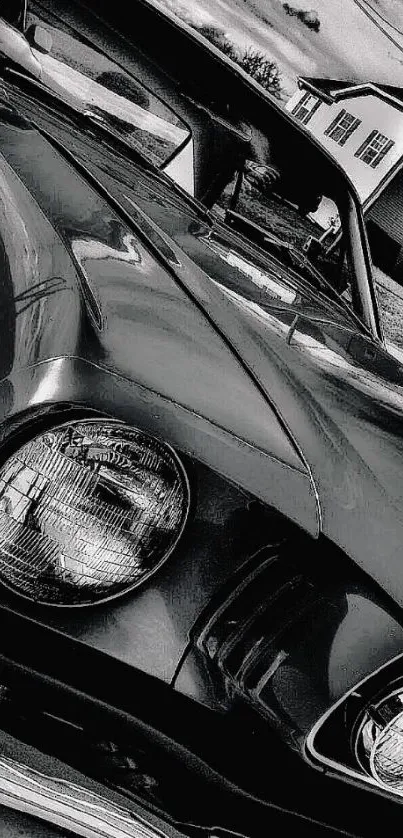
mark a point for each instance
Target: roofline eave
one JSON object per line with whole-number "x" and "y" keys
{"x": 364, "y": 89}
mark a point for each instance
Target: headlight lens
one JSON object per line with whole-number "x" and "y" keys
{"x": 379, "y": 742}
{"x": 88, "y": 510}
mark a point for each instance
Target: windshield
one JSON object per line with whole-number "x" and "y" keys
{"x": 301, "y": 224}
{"x": 94, "y": 84}
{"x": 384, "y": 224}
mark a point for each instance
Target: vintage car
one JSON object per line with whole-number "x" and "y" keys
{"x": 201, "y": 496}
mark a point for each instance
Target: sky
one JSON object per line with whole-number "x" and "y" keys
{"x": 358, "y": 40}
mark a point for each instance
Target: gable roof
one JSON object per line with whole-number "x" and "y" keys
{"x": 334, "y": 90}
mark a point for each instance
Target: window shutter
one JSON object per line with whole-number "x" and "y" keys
{"x": 349, "y": 131}
{"x": 335, "y": 122}
{"x": 381, "y": 154}
{"x": 301, "y": 102}
{"x": 366, "y": 142}
{"x": 312, "y": 111}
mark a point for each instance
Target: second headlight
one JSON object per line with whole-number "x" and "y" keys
{"x": 379, "y": 741}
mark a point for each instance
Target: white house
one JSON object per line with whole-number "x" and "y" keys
{"x": 361, "y": 125}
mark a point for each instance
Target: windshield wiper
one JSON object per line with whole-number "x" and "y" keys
{"x": 301, "y": 261}
{"x": 88, "y": 120}
{"x": 289, "y": 254}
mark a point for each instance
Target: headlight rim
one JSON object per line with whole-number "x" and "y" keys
{"x": 364, "y": 760}
{"x": 45, "y": 423}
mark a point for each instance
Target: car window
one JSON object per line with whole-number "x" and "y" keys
{"x": 90, "y": 81}
{"x": 305, "y": 231}
{"x": 384, "y": 224}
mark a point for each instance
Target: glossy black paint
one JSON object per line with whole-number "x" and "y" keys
{"x": 321, "y": 379}
{"x": 147, "y": 321}
{"x": 292, "y": 636}
{"x": 81, "y": 702}
{"x": 148, "y": 629}
{"x": 207, "y": 765}
{"x": 194, "y": 80}
{"x": 152, "y": 335}
{"x": 121, "y": 297}
{"x": 154, "y": 345}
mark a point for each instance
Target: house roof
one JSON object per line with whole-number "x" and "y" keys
{"x": 333, "y": 90}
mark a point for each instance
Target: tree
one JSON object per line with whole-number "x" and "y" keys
{"x": 262, "y": 69}
{"x": 255, "y": 63}
{"x": 217, "y": 37}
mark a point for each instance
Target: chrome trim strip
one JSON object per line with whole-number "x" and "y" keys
{"x": 236, "y": 592}
{"x": 71, "y": 806}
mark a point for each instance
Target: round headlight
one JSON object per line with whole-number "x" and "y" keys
{"x": 88, "y": 510}
{"x": 379, "y": 741}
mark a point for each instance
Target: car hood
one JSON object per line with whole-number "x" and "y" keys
{"x": 196, "y": 314}
{"x": 339, "y": 393}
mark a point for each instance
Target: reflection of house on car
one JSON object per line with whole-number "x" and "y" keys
{"x": 361, "y": 125}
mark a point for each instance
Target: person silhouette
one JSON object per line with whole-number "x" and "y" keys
{"x": 14, "y": 12}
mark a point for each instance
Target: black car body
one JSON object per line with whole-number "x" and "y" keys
{"x": 256, "y": 364}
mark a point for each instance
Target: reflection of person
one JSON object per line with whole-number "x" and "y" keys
{"x": 260, "y": 169}
{"x": 14, "y": 11}
{"x": 265, "y": 169}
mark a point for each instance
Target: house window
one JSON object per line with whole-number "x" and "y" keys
{"x": 374, "y": 149}
{"x": 306, "y": 107}
{"x": 342, "y": 127}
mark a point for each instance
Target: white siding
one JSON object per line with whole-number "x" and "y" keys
{"x": 375, "y": 114}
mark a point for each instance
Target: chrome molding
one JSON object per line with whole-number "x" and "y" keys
{"x": 317, "y": 760}
{"x": 72, "y": 806}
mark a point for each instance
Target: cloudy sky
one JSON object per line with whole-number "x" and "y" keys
{"x": 357, "y": 39}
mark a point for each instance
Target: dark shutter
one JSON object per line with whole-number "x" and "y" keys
{"x": 365, "y": 143}
{"x": 300, "y": 103}
{"x": 353, "y": 126}
{"x": 311, "y": 113}
{"x": 381, "y": 154}
{"x": 335, "y": 122}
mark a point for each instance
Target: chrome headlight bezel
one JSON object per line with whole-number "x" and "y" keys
{"x": 335, "y": 742}
{"x": 377, "y": 722}
{"x": 130, "y": 434}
